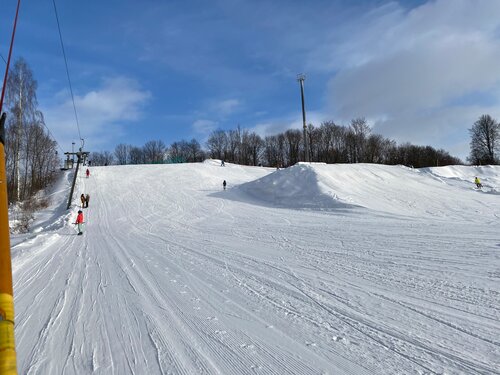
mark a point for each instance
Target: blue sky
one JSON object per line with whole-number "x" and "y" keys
{"x": 418, "y": 71}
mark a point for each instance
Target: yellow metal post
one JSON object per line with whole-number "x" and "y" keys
{"x": 7, "y": 342}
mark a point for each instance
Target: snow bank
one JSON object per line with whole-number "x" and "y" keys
{"x": 389, "y": 189}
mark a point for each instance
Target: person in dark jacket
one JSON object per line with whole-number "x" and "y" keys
{"x": 224, "y": 184}
{"x": 82, "y": 198}
{"x": 87, "y": 198}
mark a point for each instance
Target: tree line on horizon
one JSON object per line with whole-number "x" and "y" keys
{"x": 328, "y": 143}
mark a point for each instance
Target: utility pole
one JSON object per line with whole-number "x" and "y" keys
{"x": 301, "y": 77}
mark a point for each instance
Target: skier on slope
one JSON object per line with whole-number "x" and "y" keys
{"x": 87, "y": 173}
{"x": 79, "y": 222}
{"x": 478, "y": 183}
{"x": 87, "y": 198}
{"x": 224, "y": 184}
{"x": 82, "y": 198}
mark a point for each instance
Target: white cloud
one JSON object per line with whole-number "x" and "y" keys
{"x": 212, "y": 114}
{"x": 204, "y": 127}
{"x": 102, "y": 113}
{"x": 407, "y": 69}
{"x": 226, "y": 107}
{"x": 119, "y": 99}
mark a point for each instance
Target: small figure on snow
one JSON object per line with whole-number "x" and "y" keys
{"x": 79, "y": 222}
{"x": 224, "y": 184}
{"x": 82, "y": 198}
{"x": 87, "y": 173}
{"x": 478, "y": 183}
{"x": 87, "y": 198}
{"x": 222, "y": 163}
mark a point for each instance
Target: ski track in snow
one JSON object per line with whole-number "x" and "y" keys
{"x": 174, "y": 276}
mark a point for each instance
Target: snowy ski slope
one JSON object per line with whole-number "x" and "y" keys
{"x": 313, "y": 269}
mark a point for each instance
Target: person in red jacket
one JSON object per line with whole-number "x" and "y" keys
{"x": 79, "y": 222}
{"x": 87, "y": 173}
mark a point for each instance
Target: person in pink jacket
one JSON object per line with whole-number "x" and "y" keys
{"x": 79, "y": 222}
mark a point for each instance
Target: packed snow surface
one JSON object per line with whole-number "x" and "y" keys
{"x": 313, "y": 269}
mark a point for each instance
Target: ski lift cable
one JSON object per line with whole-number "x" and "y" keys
{"x": 5, "y": 61}
{"x": 67, "y": 70}
{"x": 43, "y": 123}
{"x": 52, "y": 136}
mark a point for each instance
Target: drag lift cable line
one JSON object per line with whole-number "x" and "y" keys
{"x": 52, "y": 136}
{"x": 67, "y": 70}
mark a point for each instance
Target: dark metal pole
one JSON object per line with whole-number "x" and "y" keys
{"x": 301, "y": 78}
{"x": 74, "y": 181}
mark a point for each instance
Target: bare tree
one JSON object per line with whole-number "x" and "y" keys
{"x": 137, "y": 155}
{"x": 293, "y": 141}
{"x": 255, "y": 146}
{"x": 22, "y": 103}
{"x": 485, "y": 141}
{"x": 275, "y": 150}
{"x": 154, "y": 151}
{"x": 374, "y": 149}
{"x": 332, "y": 144}
{"x": 31, "y": 158}
{"x": 217, "y": 144}
{"x": 180, "y": 152}
{"x": 102, "y": 158}
{"x": 233, "y": 145}
{"x": 122, "y": 154}
{"x": 109, "y": 159}
{"x": 359, "y": 132}
{"x": 195, "y": 152}
{"x": 250, "y": 148}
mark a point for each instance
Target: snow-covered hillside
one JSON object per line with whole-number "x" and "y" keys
{"x": 313, "y": 269}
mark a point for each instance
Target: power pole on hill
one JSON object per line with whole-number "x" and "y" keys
{"x": 301, "y": 77}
